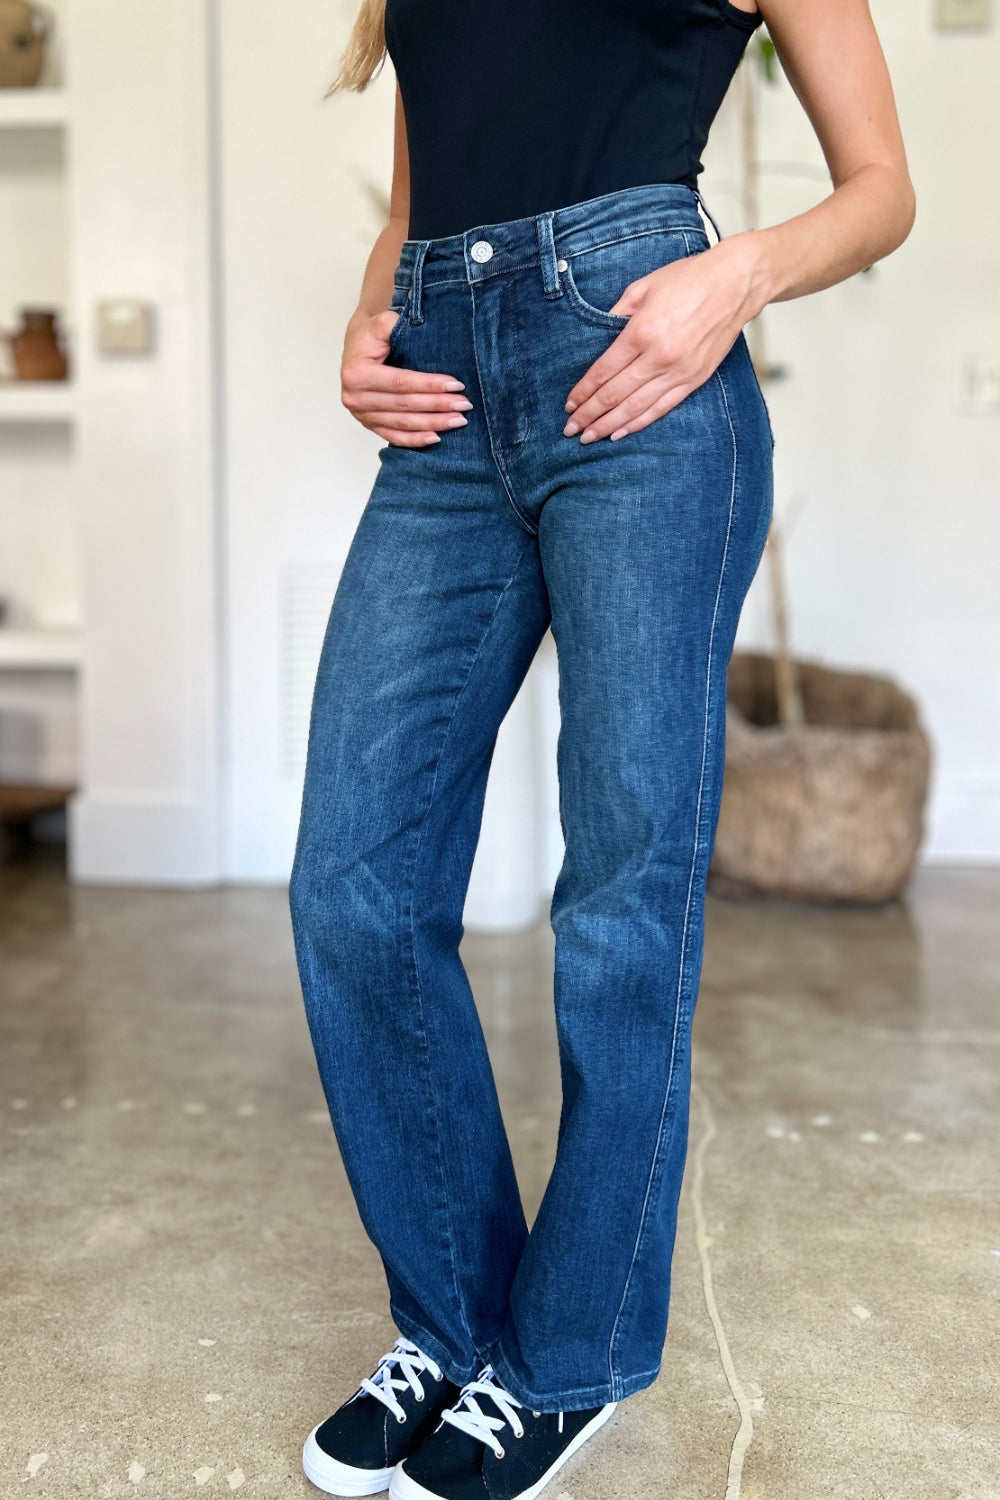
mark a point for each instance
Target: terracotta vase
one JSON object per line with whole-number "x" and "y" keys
{"x": 36, "y": 346}
{"x": 24, "y": 32}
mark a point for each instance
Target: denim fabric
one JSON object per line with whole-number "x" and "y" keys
{"x": 639, "y": 554}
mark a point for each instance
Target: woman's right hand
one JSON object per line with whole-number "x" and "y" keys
{"x": 409, "y": 408}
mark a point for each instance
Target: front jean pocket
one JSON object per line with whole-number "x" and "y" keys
{"x": 594, "y": 279}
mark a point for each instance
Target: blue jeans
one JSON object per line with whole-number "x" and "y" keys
{"x": 638, "y": 553}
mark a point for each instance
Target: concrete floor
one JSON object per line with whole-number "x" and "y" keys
{"x": 187, "y": 1288}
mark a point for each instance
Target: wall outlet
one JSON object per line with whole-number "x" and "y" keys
{"x": 963, "y": 15}
{"x": 978, "y": 384}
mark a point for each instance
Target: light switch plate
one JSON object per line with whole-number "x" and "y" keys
{"x": 963, "y": 15}
{"x": 977, "y": 386}
{"x": 124, "y": 326}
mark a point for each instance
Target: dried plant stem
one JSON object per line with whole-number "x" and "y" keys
{"x": 786, "y": 678}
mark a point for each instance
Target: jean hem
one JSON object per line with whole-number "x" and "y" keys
{"x": 579, "y": 1399}
{"x": 428, "y": 1344}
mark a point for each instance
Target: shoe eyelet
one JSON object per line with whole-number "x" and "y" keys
{"x": 501, "y": 1453}
{"x": 420, "y": 1397}
{"x": 401, "y": 1419}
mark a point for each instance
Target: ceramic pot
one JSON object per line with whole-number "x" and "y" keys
{"x": 24, "y": 32}
{"x": 37, "y": 347}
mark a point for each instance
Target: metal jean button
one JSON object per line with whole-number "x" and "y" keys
{"x": 482, "y": 251}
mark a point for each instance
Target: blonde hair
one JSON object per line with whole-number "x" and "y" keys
{"x": 365, "y": 52}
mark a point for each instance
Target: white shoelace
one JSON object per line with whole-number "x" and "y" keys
{"x": 412, "y": 1364}
{"x": 478, "y": 1423}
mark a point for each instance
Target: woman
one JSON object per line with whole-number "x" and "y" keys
{"x": 551, "y": 349}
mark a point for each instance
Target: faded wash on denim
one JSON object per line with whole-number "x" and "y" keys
{"x": 639, "y": 554}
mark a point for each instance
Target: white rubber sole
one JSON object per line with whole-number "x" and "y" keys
{"x": 402, "y": 1487}
{"x": 335, "y": 1478}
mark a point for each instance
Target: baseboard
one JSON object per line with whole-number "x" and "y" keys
{"x": 964, "y": 822}
{"x": 132, "y": 840}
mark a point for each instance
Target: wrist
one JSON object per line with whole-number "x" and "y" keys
{"x": 749, "y": 250}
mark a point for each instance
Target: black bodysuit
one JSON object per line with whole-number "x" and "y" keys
{"x": 515, "y": 107}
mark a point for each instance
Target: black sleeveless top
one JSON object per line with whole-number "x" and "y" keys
{"x": 514, "y": 107}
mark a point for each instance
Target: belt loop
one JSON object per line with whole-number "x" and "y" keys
{"x": 417, "y": 288}
{"x": 702, "y": 204}
{"x": 551, "y": 284}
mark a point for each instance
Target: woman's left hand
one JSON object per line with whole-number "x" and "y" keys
{"x": 683, "y": 320}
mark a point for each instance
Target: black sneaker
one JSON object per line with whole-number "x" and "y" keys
{"x": 355, "y": 1451}
{"x": 495, "y": 1454}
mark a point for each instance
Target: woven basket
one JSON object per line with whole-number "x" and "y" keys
{"x": 830, "y": 810}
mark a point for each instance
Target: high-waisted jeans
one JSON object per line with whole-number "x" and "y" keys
{"x": 638, "y": 553}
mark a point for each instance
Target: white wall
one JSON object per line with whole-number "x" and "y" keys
{"x": 141, "y": 228}
{"x": 297, "y": 227}
{"x": 892, "y": 562}
{"x": 299, "y": 220}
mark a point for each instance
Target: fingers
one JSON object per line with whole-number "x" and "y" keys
{"x": 658, "y": 408}
{"x": 415, "y": 421}
{"x": 418, "y": 402}
{"x": 414, "y": 397}
{"x": 616, "y": 358}
{"x": 412, "y": 430}
{"x": 618, "y": 389}
{"x": 618, "y": 393}
{"x": 654, "y": 398}
{"x": 409, "y": 408}
{"x": 400, "y": 439}
{"x": 373, "y": 375}
{"x": 413, "y": 390}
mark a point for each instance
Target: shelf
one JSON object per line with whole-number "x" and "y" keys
{"x": 37, "y": 401}
{"x": 33, "y": 108}
{"x": 39, "y": 650}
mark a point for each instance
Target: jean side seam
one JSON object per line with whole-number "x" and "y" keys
{"x": 414, "y": 965}
{"x": 686, "y": 925}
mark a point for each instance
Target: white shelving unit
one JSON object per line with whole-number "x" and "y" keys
{"x": 39, "y": 650}
{"x": 38, "y": 662}
{"x": 37, "y": 401}
{"x": 33, "y": 107}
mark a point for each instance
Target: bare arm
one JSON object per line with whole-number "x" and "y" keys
{"x": 376, "y": 285}
{"x": 409, "y": 408}
{"x": 684, "y": 317}
{"x": 833, "y": 60}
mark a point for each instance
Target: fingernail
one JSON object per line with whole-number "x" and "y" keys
{"x": 571, "y": 429}
{"x": 463, "y": 405}
{"x": 588, "y": 436}
{"x": 434, "y": 437}
{"x": 454, "y": 385}
{"x": 619, "y": 434}
{"x": 570, "y": 406}
{"x": 458, "y": 421}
